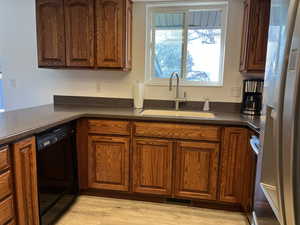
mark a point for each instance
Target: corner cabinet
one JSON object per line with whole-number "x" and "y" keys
{"x": 255, "y": 36}
{"x": 84, "y": 34}
{"x": 25, "y": 174}
{"x": 232, "y": 170}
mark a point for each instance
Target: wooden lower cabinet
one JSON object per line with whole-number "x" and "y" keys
{"x": 108, "y": 162}
{"x": 152, "y": 166}
{"x": 233, "y": 156}
{"x": 5, "y": 184}
{"x": 7, "y": 210}
{"x": 4, "y": 158}
{"x": 24, "y": 157}
{"x": 196, "y": 170}
{"x": 249, "y": 177}
{"x": 214, "y": 164}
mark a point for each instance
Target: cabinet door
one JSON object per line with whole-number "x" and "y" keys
{"x": 152, "y": 166}
{"x": 79, "y": 20}
{"x": 24, "y": 155}
{"x": 255, "y": 36}
{"x": 108, "y": 163}
{"x": 259, "y": 35}
{"x": 245, "y": 36}
{"x": 196, "y": 170}
{"x": 128, "y": 50}
{"x": 50, "y": 33}
{"x": 249, "y": 177}
{"x": 110, "y": 33}
{"x": 234, "y": 149}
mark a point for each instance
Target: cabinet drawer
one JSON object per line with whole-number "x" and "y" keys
{"x": 5, "y": 184}
{"x": 109, "y": 127}
{"x": 178, "y": 131}
{"x": 7, "y": 210}
{"x": 4, "y": 158}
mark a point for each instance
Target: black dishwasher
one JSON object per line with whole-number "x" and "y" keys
{"x": 57, "y": 172}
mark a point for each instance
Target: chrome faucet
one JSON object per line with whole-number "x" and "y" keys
{"x": 177, "y": 99}
{"x": 177, "y": 86}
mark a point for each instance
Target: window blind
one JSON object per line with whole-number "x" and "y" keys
{"x": 209, "y": 19}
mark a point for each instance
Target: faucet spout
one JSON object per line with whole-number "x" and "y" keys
{"x": 177, "y": 84}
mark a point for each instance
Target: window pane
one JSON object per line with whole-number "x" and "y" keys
{"x": 168, "y": 41}
{"x": 204, "y": 46}
{"x": 203, "y": 57}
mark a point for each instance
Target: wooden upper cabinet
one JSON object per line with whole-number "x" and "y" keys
{"x": 196, "y": 170}
{"x": 85, "y": 33}
{"x": 235, "y": 148}
{"x": 108, "y": 163}
{"x": 79, "y": 20}
{"x": 24, "y": 157}
{"x": 50, "y": 33}
{"x": 255, "y": 36}
{"x": 128, "y": 39}
{"x": 113, "y": 24}
{"x": 152, "y": 166}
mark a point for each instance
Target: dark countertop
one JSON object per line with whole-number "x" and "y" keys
{"x": 18, "y": 124}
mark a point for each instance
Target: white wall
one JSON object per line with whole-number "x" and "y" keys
{"x": 35, "y": 86}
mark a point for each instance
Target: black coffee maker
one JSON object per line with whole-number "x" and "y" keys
{"x": 252, "y": 97}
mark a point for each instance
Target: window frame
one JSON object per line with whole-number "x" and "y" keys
{"x": 1, "y": 94}
{"x": 182, "y": 7}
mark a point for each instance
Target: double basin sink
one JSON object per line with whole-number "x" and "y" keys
{"x": 166, "y": 113}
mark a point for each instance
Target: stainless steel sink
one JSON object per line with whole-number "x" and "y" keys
{"x": 155, "y": 112}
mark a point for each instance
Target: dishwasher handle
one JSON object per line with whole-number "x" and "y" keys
{"x": 255, "y": 144}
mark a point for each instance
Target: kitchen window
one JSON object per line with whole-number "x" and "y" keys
{"x": 189, "y": 40}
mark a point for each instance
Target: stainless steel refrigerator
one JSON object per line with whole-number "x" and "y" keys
{"x": 277, "y": 194}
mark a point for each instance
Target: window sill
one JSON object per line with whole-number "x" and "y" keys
{"x": 182, "y": 83}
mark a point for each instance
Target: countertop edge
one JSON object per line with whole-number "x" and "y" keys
{"x": 35, "y": 130}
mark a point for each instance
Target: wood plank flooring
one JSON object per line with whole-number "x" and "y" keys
{"x": 89, "y": 210}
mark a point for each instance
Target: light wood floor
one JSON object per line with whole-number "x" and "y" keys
{"x": 107, "y": 211}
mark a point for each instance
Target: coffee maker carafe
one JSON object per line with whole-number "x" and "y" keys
{"x": 252, "y": 97}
